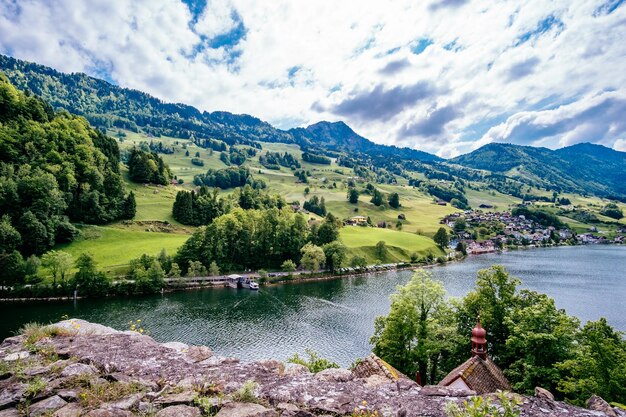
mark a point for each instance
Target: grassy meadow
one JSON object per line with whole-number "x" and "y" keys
{"x": 154, "y": 228}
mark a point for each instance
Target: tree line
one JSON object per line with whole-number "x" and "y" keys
{"x": 534, "y": 342}
{"x": 256, "y": 238}
{"x": 54, "y": 170}
{"x": 202, "y": 207}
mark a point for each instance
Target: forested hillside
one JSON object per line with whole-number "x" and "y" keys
{"x": 54, "y": 169}
{"x": 582, "y": 168}
{"x": 106, "y": 105}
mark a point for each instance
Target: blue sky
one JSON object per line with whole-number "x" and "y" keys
{"x": 444, "y": 76}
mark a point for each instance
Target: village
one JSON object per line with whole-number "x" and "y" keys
{"x": 484, "y": 232}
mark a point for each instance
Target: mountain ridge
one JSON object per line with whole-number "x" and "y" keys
{"x": 584, "y": 167}
{"x": 106, "y": 105}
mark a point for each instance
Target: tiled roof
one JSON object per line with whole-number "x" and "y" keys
{"x": 480, "y": 375}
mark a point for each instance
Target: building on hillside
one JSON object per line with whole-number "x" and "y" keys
{"x": 356, "y": 221}
{"x": 479, "y": 373}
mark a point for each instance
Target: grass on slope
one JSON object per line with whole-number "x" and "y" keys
{"x": 400, "y": 245}
{"x": 113, "y": 247}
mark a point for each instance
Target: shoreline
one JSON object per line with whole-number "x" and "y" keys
{"x": 301, "y": 278}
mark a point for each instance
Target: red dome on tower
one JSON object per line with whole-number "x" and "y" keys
{"x": 479, "y": 341}
{"x": 478, "y": 332}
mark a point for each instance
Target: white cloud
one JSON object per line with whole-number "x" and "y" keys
{"x": 334, "y": 50}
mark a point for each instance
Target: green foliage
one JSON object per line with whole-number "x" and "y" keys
{"x": 52, "y": 166}
{"x": 377, "y": 197}
{"x": 247, "y": 239}
{"x": 353, "y": 195}
{"x": 315, "y": 159}
{"x": 483, "y": 407}
{"x": 335, "y": 253}
{"x": 493, "y": 300}
{"x": 247, "y": 393}
{"x": 88, "y": 280}
{"x": 288, "y": 266}
{"x": 316, "y": 205}
{"x": 381, "y": 249}
{"x": 358, "y": 262}
{"x": 597, "y": 366}
{"x": 328, "y": 231}
{"x": 214, "y": 270}
{"x": 460, "y": 224}
{"x": 394, "y": 200}
{"x": 313, "y": 257}
{"x": 540, "y": 336}
{"x": 201, "y": 208}
{"x": 419, "y": 330}
{"x": 129, "y": 208}
{"x": 313, "y": 361}
{"x": 540, "y": 216}
{"x": 148, "y": 167}
{"x": 227, "y": 178}
{"x": 274, "y": 160}
{"x": 441, "y": 238}
{"x": 58, "y": 263}
{"x": 613, "y": 211}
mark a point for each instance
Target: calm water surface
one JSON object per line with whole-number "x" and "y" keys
{"x": 335, "y": 318}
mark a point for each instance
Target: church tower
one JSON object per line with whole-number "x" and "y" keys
{"x": 479, "y": 342}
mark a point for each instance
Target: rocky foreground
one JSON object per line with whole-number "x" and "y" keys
{"x": 76, "y": 368}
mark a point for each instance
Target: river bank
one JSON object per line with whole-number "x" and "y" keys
{"x": 282, "y": 278}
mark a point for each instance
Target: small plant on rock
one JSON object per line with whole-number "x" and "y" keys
{"x": 483, "y": 407}
{"x": 315, "y": 363}
{"x": 247, "y": 393}
{"x": 35, "y": 386}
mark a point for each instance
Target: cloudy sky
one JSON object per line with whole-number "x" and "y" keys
{"x": 444, "y": 76}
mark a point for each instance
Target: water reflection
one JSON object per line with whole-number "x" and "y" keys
{"x": 336, "y": 317}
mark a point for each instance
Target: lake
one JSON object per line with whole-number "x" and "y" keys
{"x": 335, "y": 317}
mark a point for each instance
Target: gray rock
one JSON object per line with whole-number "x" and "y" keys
{"x": 543, "y": 393}
{"x": 84, "y": 328}
{"x": 11, "y": 395}
{"x": 68, "y": 394}
{"x": 599, "y": 404}
{"x": 179, "y": 411}
{"x": 46, "y": 406}
{"x": 109, "y": 413}
{"x": 76, "y": 369}
{"x": 218, "y": 360}
{"x": 176, "y": 346}
{"x": 287, "y": 407}
{"x": 37, "y": 370}
{"x": 335, "y": 375}
{"x": 16, "y": 356}
{"x": 439, "y": 391}
{"x": 11, "y": 412}
{"x": 125, "y": 403}
{"x": 245, "y": 410}
{"x": 295, "y": 369}
{"x": 199, "y": 353}
{"x": 185, "y": 397}
{"x": 146, "y": 408}
{"x": 70, "y": 410}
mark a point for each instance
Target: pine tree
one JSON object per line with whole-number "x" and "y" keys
{"x": 130, "y": 207}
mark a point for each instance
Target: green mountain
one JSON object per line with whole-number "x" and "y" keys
{"x": 105, "y": 105}
{"x": 340, "y": 137}
{"x": 583, "y": 168}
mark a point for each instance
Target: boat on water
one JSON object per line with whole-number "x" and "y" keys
{"x": 254, "y": 286}
{"x": 234, "y": 281}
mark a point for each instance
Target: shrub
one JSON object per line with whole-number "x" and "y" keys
{"x": 315, "y": 363}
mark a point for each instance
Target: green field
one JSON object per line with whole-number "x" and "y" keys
{"x": 362, "y": 241}
{"x": 113, "y": 247}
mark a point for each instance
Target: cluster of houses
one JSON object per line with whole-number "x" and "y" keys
{"x": 513, "y": 231}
